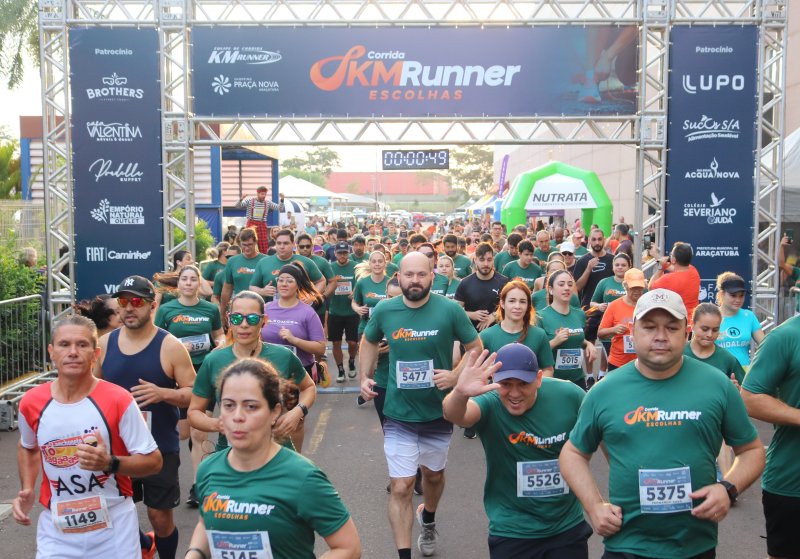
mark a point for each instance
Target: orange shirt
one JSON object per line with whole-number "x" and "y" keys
{"x": 686, "y": 284}
{"x": 619, "y": 312}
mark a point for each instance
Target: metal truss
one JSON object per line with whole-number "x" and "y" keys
{"x": 181, "y": 130}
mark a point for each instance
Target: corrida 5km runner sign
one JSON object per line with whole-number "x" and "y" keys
{"x": 396, "y": 72}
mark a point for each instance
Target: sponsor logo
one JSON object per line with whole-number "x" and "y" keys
{"x": 708, "y": 128}
{"x": 247, "y": 55}
{"x": 124, "y": 172}
{"x": 183, "y": 319}
{"x": 128, "y": 282}
{"x": 103, "y": 254}
{"x": 559, "y": 197}
{"x": 113, "y": 52}
{"x": 225, "y": 507}
{"x": 114, "y": 88}
{"x": 712, "y": 172}
{"x": 113, "y": 131}
{"x": 655, "y": 417}
{"x": 62, "y": 452}
{"x": 410, "y": 335}
{"x": 245, "y": 270}
{"x": 711, "y": 82}
{"x": 714, "y": 50}
{"x": 110, "y": 288}
{"x": 531, "y": 439}
{"x": 713, "y": 252}
{"x": 223, "y": 84}
{"x": 118, "y": 215}
{"x": 373, "y": 295}
{"x": 714, "y": 213}
{"x": 77, "y": 484}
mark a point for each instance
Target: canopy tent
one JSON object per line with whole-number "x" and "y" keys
{"x": 298, "y": 213}
{"x": 357, "y": 200}
{"x": 463, "y": 207}
{"x": 301, "y": 189}
{"x": 791, "y": 177}
{"x": 487, "y": 202}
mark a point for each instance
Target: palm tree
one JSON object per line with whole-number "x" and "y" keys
{"x": 19, "y": 34}
{"x": 9, "y": 171}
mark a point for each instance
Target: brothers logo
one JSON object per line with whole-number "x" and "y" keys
{"x": 124, "y": 172}
{"x": 246, "y": 55}
{"x": 103, "y": 254}
{"x": 114, "y": 88}
{"x": 113, "y": 131}
{"x": 710, "y": 82}
{"x": 712, "y": 172}
{"x": 118, "y": 215}
{"x": 709, "y": 128}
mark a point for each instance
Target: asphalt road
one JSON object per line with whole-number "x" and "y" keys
{"x": 346, "y": 442}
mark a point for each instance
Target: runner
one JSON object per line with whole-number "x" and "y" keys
{"x": 479, "y": 293}
{"x": 103, "y": 310}
{"x": 359, "y": 253}
{"x": 90, "y": 438}
{"x": 267, "y": 269}
{"x": 771, "y": 392}
{"x": 589, "y": 271}
{"x": 567, "y": 251}
{"x": 342, "y": 319}
{"x": 219, "y": 279}
{"x": 284, "y": 498}
{"x": 524, "y": 268}
{"x": 370, "y": 289}
{"x": 543, "y": 249}
{"x": 523, "y": 420}
{"x": 421, "y": 330}
{"x": 661, "y": 420}
{"x": 618, "y": 317}
{"x": 240, "y": 268}
{"x": 539, "y": 298}
{"x": 156, "y": 367}
{"x": 447, "y": 269}
{"x": 608, "y": 290}
{"x": 257, "y": 210}
{"x": 677, "y": 274}
{"x": 705, "y": 331}
{"x": 509, "y": 253}
{"x": 441, "y": 283}
{"x": 461, "y": 264}
{"x": 212, "y": 268}
{"x": 516, "y": 324}
{"x": 740, "y": 327}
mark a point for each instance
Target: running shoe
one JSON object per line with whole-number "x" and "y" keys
{"x": 418, "y": 485}
{"x": 352, "y": 368}
{"x": 469, "y": 433}
{"x": 192, "y": 500}
{"x": 150, "y": 553}
{"x": 323, "y": 374}
{"x": 426, "y": 543}
{"x": 360, "y": 401}
{"x": 341, "y": 377}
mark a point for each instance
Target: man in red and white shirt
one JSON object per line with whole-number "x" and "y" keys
{"x": 89, "y": 437}
{"x": 257, "y": 210}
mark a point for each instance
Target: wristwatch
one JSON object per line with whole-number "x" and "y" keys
{"x": 304, "y": 409}
{"x": 113, "y": 467}
{"x": 733, "y": 493}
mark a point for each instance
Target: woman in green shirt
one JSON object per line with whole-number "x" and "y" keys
{"x": 370, "y": 287}
{"x": 258, "y": 496}
{"x": 539, "y": 298}
{"x": 447, "y": 268}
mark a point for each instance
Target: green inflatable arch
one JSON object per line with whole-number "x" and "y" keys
{"x": 558, "y": 186}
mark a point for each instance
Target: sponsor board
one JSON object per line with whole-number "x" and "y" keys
{"x": 559, "y": 192}
{"x": 118, "y": 215}
{"x": 113, "y": 131}
{"x": 114, "y": 88}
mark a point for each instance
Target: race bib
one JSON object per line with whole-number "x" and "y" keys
{"x": 415, "y": 374}
{"x": 627, "y": 340}
{"x": 540, "y": 479}
{"x": 148, "y": 418}
{"x": 239, "y": 545}
{"x": 77, "y": 516}
{"x": 665, "y": 491}
{"x": 569, "y": 358}
{"x": 344, "y": 288}
{"x": 197, "y": 344}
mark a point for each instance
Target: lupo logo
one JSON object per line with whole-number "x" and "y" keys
{"x": 710, "y": 82}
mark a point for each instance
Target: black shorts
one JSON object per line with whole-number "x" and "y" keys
{"x": 347, "y": 325}
{"x": 710, "y": 554}
{"x": 160, "y": 491}
{"x": 781, "y": 514}
{"x": 592, "y": 325}
{"x": 571, "y": 544}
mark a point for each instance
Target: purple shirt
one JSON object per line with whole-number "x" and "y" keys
{"x": 300, "y": 319}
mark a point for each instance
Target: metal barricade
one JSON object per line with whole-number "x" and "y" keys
{"x": 23, "y": 349}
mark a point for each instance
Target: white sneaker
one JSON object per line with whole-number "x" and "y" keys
{"x": 426, "y": 543}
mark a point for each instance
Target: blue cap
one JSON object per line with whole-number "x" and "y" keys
{"x": 518, "y": 361}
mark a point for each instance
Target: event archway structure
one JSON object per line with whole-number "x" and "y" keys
{"x": 558, "y": 186}
{"x": 183, "y": 128}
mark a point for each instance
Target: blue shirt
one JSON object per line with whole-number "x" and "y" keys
{"x": 736, "y": 332}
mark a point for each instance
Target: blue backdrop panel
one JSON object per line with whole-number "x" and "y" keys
{"x": 713, "y": 115}
{"x": 116, "y": 143}
{"x": 356, "y": 71}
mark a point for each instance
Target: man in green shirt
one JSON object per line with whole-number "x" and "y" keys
{"x": 342, "y": 319}
{"x": 359, "y": 253}
{"x": 661, "y": 420}
{"x": 524, "y": 268}
{"x": 421, "y": 331}
{"x": 440, "y": 282}
{"x": 462, "y": 265}
{"x": 240, "y": 269}
{"x": 771, "y": 392}
{"x": 509, "y": 254}
{"x": 543, "y": 248}
{"x": 265, "y": 278}
{"x": 523, "y": 421}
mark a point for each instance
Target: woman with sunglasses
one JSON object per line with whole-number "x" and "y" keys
{"x": 285, "y": 499}
{"x": 246, "y": 319}
{"x": 564, "y": 326}
{"x": 447, "y": 268}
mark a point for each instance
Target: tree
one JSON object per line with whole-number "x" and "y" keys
{"x": 321, "y": 161}
{"x": 472, "y": 169}
{"x": 313, "y": 178}
{"x": 203, "y": 238}
{"x": 19, "y": 35}
{"x": 10, "y": 177}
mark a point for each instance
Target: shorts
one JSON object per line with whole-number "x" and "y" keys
{"x": 592, "y": 325}
{"x": 710, "y": 554}
{"x": 160, "y": 491}
{"x": 571, "y": 544}
{"x": 347, "y": 325}
{"x": 121, "y": 540}
{"x": 408, "y": 445}
{"x": 781, "y": 513}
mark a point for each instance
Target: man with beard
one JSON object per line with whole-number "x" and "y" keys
{"x": 589, "y": 270}
{"x": 461, "y": 264}
{"x": 359, "y": 254}
{"x": 257, "y": 209}
{"x": 157, "y": 369}
{"x": 479, "y": 293}
{"x": 421, "y": 331}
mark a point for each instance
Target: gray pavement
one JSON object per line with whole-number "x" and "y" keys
{"x": 346, "y": 442}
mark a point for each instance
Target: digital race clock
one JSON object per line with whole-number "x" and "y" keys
{"x": 413, "y": 159}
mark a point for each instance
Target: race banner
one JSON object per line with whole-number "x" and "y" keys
{"x": 713, "y": 117}
{"x": 116, "y": 156}
{"x": 414, "y": 72}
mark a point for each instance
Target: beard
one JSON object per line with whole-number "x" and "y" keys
{"x": 415, "y": 291}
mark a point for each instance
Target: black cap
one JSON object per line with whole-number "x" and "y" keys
{"x": 341, "y": 247}
{"x": 136, "y": 285}
{"x": 733, "y": 285}
{"x": 403, "y": 242}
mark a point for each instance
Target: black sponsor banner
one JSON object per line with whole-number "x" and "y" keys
{"x": 116, "y": 156}
{"x": 712, "y": 112}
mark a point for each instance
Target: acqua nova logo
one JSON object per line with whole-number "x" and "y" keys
{"x": 711, "y": 172}
{"x": 118, "y": 215}
{"x": 247, "y": 55}
{"x": 714, "y": 213}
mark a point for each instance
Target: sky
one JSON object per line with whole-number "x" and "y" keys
{"x": 25, "y": 100}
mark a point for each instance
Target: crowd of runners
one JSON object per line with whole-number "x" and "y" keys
{"x": 544, "y": 343}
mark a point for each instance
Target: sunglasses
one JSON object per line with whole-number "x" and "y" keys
{"x": 303, "y": 246}
{"x": 237, "y": 318}
{"x": 135, "y": 302}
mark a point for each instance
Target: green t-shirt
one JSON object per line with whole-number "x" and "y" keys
{"x": 368, "y": 292}
{"x": 513, "y": 271}
{"x": 440, "y": 284}
{"x": 210, "y": 270}
{"x": 661, "y": 425}
{"x": 541, "y": 255}
{"x": 502, "y": 258}
{"x": 288, "y": 498}
{"x": 539, "y": 300}
{"x": 191, "y": 325}
{"x": 239, "y": 271}
{"x": 323, "y": 265}
{"x": 580, "y": 250}
{"x": 569, "y": 355}
{"x": 452, "y": 287}
{"x": 462, "y": 266}
{"x": 397, "y": 258}
{"x": 268, "y": 269}
{"x": 420, "y": 340}
{"x": 358, "y": 260}
{"x": 721, "y": 359}
{"x": 219, "y": 281}
{"x": 341, "y": 298}
{"x": 776, "y": 371}
{"x": 391, "y": 269}
{"x": 511, "y": 443}
{"x": 608, "y": 290}
{"x": 495, "y": 337}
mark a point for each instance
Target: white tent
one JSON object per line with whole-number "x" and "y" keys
{"x": 298, "y": 213}
{"x": 301, "y": 189}
{"x": 791, "y": 177}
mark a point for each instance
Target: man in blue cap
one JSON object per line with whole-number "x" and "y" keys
{"x": 523, "y": 421}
